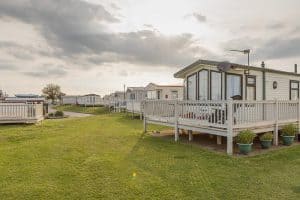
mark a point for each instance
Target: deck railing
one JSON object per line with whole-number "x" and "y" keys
{"x": 134, "y": 106}
{"x": 223, "y": 114}
{"x": 223, "y": 118}
{"x": 20, "y": 111}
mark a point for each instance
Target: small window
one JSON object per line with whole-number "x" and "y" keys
{"x": 132, "y": 96}
{"x": 251, "y": 88}
{"x": 174, "y": 94}
{"x": 294, "y": 90}
{"x": 166, "y": 96}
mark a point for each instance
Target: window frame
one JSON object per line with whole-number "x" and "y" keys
{"x": 291, "y": 89}
{"x": 187, "y": 85}
{"x": 241, "y": 87}
{"x": 250, "y": 85}
{"x": 198, "y": 83}
{"x": 210, "y": 84}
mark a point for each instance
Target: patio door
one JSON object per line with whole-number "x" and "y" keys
{"x": 233, "y": 86}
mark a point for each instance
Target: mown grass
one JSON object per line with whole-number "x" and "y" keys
{"x": 108, "y": 157}
{"x": 82, "y": 109}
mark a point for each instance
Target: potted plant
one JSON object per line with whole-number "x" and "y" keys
{"x": 288, "y": 133}
{"x": 245, "y": 141}
{"x": 266, "y": 140}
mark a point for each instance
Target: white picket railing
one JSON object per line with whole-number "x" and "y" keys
{"x": 215, "y": 113}
{"x": 134, "y": 106}
{"x": 20, "y": 111}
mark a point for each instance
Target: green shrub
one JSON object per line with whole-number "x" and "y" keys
{"x": 51, "y": 114}
{"x": 289, "y": 130}
{"x": 266, "y": 137}
{"x": 246, "y": 137}
{"x": 59, "y": 113}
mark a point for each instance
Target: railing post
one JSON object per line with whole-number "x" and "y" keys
{"x": 298, "y": 120}
{"x": 230, "y": 127}
{"x": 145, "y": 121}
{"x": 176, "y": 121}
{"x": 275, "y": 136}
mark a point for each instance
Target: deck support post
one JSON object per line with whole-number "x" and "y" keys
{"x": 190, "y": 132}
{"x": 145, "y": 125}
{"x": 275, "y": 136}
{"x": 230, "y": 127}
{"x": 176, "y": 121}
{"x": 219, "y": 140}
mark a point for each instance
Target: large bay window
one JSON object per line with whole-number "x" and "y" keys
{"x": 203, "y": 85}
{"x": 191, "y": 87}
{"x": 216, "y": 85}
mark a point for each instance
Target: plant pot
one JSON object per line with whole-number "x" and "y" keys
{"x": 266, "y": 144}
{"x": 245, "y": 148}
{"x": 288, "y": 140}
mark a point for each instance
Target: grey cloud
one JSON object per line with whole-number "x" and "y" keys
{"x": 198, "y": 16}
{"x": 7, "y": 66}
{"x": 78, "y": 29}
{"x": 274, "y": 48}
{"x": 276, "y": 26}
{"x": 280, "y": 48}
{"x": 47, "y": 71}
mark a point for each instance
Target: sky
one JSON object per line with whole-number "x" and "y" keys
{"x": 97, "y": 46}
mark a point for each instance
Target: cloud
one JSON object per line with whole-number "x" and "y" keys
{"x": 279, "y": 47}
{"x": 123, "y": 73}
{"x": 47, "y": 71}
{"x": 198, "y": 16}
{"x": 276, "y": 26}
{"x": 81, "y": 29}
{"x": 7, "y": 66}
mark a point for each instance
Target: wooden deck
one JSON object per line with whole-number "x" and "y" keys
{"x": 222, "y": 118}
{"x": 13, "y": 113}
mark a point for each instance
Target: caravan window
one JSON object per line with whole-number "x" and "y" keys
{"x": 132, "y": 96}
{"x": 174, "y": 94}
{"x": 216, "y": 85}
{"x": 294, "y": 90}
{"x": 233, "y": 85}
{"x": 251, "y": 87}
{"x": 191, "y": 87}
{"x": 203, "y": 85}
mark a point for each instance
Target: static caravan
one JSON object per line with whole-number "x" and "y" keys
{"x": 89, "y": 100}
{"x": 69, "y": 100}
{"x": 211, "y": 80}
{"x": 222, "y": 99}
{"x": 136, "y": 93}
{"x": 164, "y": 92}
{"x": 134, "y": 98}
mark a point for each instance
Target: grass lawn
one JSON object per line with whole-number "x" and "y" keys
{"x": 108, "y": 157}
{"x": 82, "y": 109}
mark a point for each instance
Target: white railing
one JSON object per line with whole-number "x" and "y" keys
{"x": 20, "y": 111}
{"x": 134, "y": 106}
{"x": 245, "y": 114}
